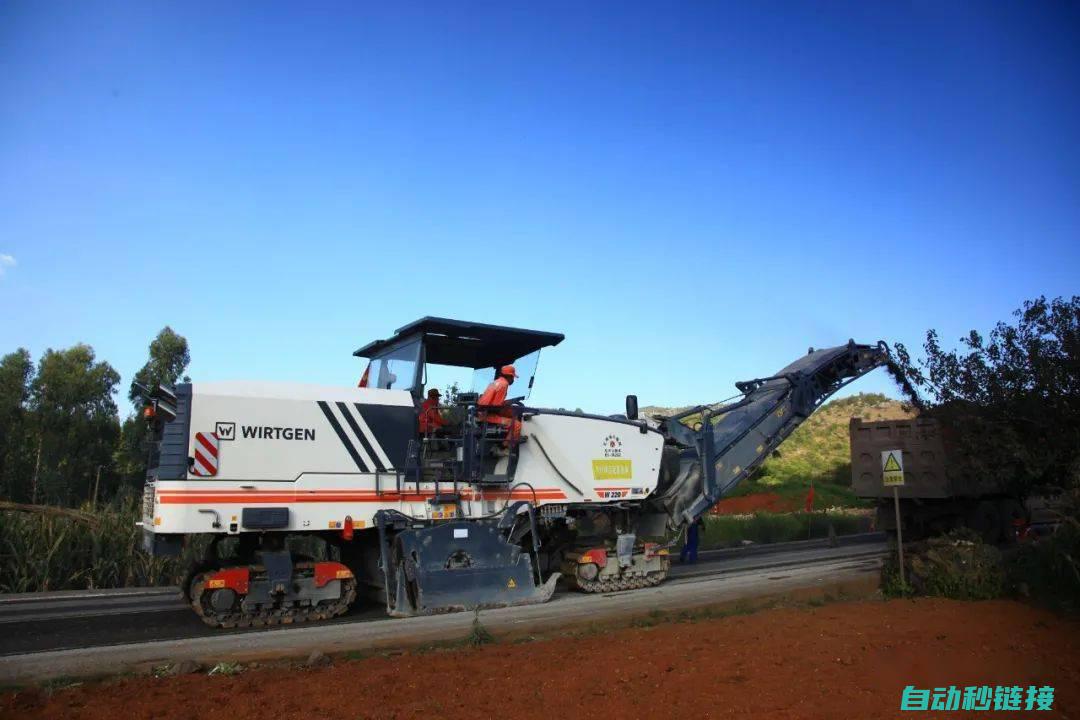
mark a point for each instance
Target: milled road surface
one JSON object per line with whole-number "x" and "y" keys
{"x": 137, "y": 629}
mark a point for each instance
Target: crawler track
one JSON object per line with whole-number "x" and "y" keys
{"x": 284, "y": 613}
{"x": 607, "y": 585}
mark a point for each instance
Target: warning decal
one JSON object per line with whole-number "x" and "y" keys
{"x": 892, "y": 467}
{"x": 205, "y": 452}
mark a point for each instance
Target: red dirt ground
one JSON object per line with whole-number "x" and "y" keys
{"x": 759, "y": 502}
{"x": 843, "y": 660}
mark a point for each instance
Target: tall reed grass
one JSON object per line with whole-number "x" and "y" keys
{"x": 90, "y": 548}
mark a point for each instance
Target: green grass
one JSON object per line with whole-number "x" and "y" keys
{"x": 478, "y": 634}
{"x": 732, "y": 530}
{"x": 226, "y": 668}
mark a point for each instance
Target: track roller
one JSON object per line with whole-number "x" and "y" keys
{"x": 239, "y": 597}
{"x": 595, "y": 571}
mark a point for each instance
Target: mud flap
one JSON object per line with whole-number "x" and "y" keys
{"x": 461, "y": 565}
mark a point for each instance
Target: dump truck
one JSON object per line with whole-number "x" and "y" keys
{"x": 937, "y": 495}
{"x": 473, "y": 515}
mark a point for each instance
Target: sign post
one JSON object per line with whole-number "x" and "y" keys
{"x": 892, "y": 474}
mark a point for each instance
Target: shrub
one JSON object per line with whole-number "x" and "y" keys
{"x": 478, "y": 634}
{"x": 1048, "y": 570}
{"x": 957, "y": 565}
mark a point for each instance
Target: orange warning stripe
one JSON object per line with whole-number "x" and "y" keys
{"x": 232, "y": 497}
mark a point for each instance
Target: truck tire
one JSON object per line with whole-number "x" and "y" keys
{"x": 985, "y": 519}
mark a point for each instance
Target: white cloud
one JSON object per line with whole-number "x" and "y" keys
{"x": 6, "y": 261}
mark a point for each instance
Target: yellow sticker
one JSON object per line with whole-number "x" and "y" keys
{"x": 213, "y": 584}
{"x": 511, "y": 584}
{"x": 612, "y": 469}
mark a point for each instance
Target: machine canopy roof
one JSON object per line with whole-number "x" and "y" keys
{"x": 465, "y": 344}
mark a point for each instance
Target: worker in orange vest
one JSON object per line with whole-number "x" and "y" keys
{"x": 430, "y": 417}
{"x": 492, "y": 407}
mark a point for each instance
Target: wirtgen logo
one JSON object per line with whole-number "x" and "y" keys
{"x": 227, "y": 431}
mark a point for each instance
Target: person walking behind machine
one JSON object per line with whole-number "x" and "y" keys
{"x": 690, "y": 547}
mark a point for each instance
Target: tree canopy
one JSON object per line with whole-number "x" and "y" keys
{"x": 16, "y": 370}
{"x": 61, "y": 440}
{"x": 169, "y": 358}
{"x": 74, "y": 416}
{"x": 1011, "y": 399}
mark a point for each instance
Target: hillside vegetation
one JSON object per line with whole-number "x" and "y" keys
{"x": 820, "y": 448}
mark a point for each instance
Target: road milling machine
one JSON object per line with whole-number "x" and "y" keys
{"x": 469, "y": 516}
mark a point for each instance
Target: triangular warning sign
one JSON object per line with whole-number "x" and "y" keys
{"x": 511, "y": 584}
{"x": 891, "y": 464}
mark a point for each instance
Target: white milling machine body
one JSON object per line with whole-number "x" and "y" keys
{"x": 462, "y": 518}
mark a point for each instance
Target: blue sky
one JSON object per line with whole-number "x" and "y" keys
{"x": 692, "y": 192}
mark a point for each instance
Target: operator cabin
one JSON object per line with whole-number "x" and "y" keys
{"x": 404, "y": 362}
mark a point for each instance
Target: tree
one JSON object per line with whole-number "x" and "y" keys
{"x": 1011, "y": 399}
{"x": 169, "y": 358}
{"x": 75, "y": 426}
{"x": 16, "y": 370}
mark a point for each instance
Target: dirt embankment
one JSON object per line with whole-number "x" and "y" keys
{"x": 844, "y": 660}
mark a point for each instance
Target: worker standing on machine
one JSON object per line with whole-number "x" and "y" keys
{"x": 430, "y": 417}
{"x": 492, "y": 407}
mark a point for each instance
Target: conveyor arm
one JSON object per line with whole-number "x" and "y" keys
{"x": 730, "y": 441}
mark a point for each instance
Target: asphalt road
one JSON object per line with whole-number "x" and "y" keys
{"x": 40, "y": 622}
{"x": 855, "y": 575}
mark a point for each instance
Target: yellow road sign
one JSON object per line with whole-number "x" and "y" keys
{"x": 892, "y": 467}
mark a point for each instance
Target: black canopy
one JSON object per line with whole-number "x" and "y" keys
{"x": 465, "y": 344}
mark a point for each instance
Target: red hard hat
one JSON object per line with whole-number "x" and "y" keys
{"x": 508, "y": 370}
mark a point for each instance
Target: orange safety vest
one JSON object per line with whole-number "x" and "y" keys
{"x": 495, "y": 394}
{"x": 492, "y": 408}
{"x": 430, "y": 419}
